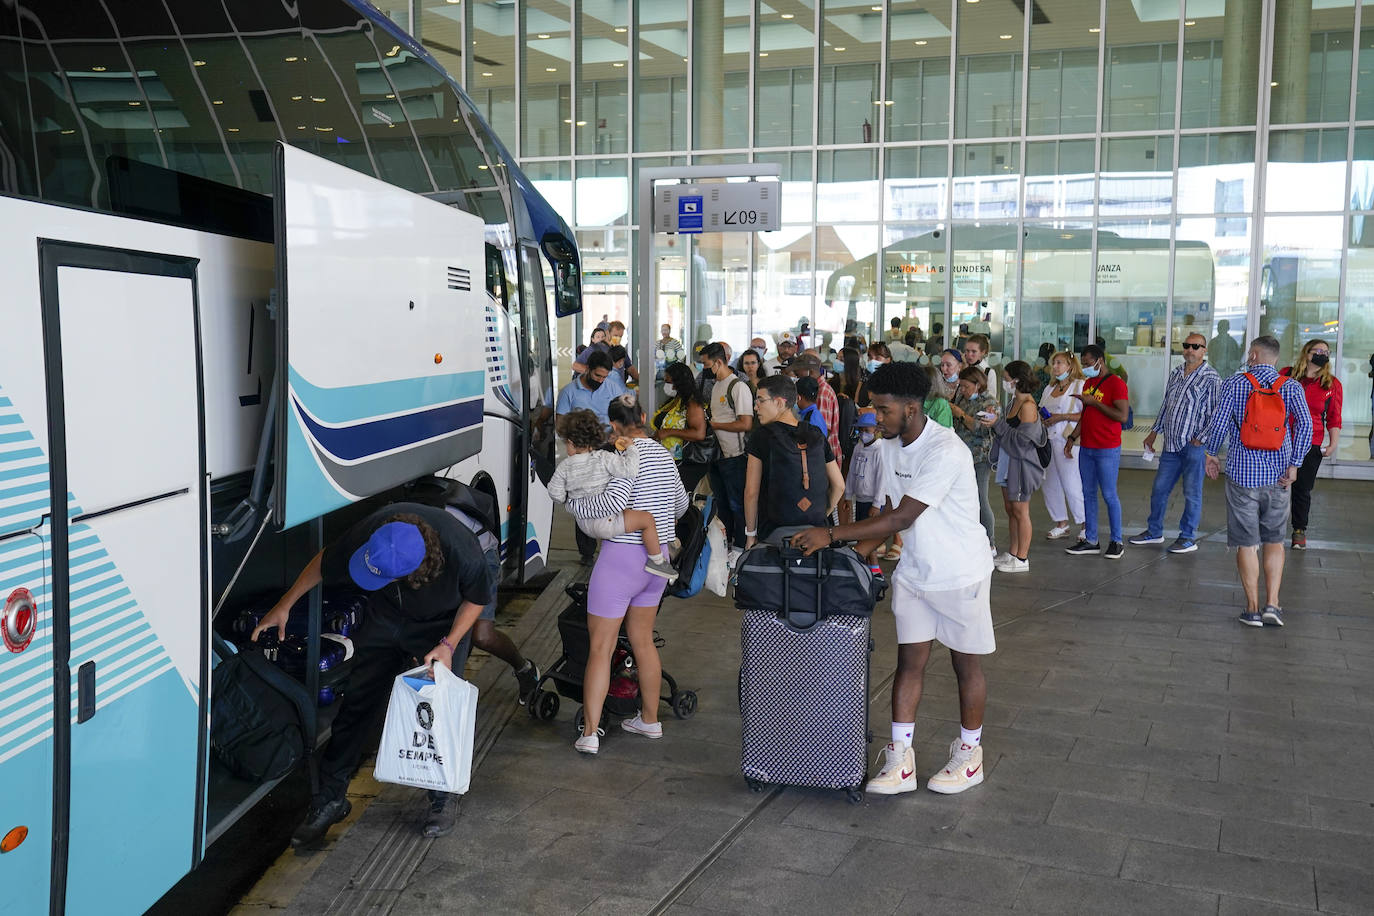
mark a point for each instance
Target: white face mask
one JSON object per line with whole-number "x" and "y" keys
{"x": 1061, "y": 376}
{"x": 1091, "y": 371}
{"x": 1008, "y": 387}
{"x": 952, "y": 378}
{"x": 866, "y": 436}
{"x": 669, "y": 389}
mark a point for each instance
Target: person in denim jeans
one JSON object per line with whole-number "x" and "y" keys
{"x": 1190, "y": 398}
{"x": 1106, "y": 405}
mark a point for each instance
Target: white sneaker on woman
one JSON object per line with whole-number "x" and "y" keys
{"x": 1013, "y": 565}
{"x": 638, "y": 726}
{"x": 589, "y": 744}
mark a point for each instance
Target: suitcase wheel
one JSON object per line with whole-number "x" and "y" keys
{"x": 755, "y": 785}
{"x": 855, "y": 795}
{"x": 684, "y": 703}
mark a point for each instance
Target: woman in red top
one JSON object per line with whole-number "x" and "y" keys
{"x": 1323, "y": 392}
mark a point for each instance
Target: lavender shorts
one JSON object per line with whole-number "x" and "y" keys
{"x": 619, "y": 581}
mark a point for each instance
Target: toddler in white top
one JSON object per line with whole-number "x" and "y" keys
{"x": 587, "y": 471}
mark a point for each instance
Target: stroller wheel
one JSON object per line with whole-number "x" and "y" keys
{"x": 545, "y": 706}
{"x": 684, "y": 704}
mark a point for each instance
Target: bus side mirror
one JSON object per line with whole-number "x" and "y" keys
{"x": 567, "y": 289}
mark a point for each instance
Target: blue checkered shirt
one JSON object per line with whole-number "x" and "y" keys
{"x": 1251, "y": 468}
{"x": 1189, "y": 402}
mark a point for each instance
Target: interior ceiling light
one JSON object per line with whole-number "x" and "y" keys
{"x": 65, "y": 132}
{"x": 581, "y": 123}
{"x": 617, "y": 65}
{"x": 198, "y": 63}
{"x": 921, "y": 41}
{"x": 135, "y": 103}
{"x": 1004, "y": 37}
{"x": 487, "y": 73}
{"x": 317, "y": 98}
{"x": 787, "y": 15}
{"x": 621, "y": 29}
{"x": 763, "y": 54}
{"x": 97, "y": 69}
{"x": 396, "y": 49}
{"x": 324, "y": 128}
{"x": 1190, "y": 22}
{"x": 297, "y": 98}
{"x": 290, "y": 60}
{"x": 232, "y": 130}
{"x": 1094, "y": 30}
{"x": 217, "y": 102}
{"x": 391, "y": 95}
{"x": 841, "y": 49}
{"x": 550, "y": 69}
{"x": 543, "y": 34}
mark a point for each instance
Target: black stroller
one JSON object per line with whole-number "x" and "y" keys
{"x": 623, "y": 698}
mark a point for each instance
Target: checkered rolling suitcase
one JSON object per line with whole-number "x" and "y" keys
{"x": 803, "y": 699}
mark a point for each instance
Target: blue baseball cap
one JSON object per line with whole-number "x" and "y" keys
{"x": 395, "y": 550}
{"x": 866, "y": 419}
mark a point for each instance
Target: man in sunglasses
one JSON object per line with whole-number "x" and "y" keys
{"x": 1190, "y": 399}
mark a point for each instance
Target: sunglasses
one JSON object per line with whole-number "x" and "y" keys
{"x": 1189, "y": 346}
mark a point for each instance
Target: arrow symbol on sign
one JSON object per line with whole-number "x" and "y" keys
{"x": 729, "y": 218}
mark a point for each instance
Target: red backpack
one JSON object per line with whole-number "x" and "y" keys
{"x": 1264, "y": 426}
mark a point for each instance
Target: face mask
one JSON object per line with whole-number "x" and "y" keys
{"x": 591, "y": 383}
{"x": 873, "y": 365}
{"x": 1319, "y": 359}
{"x": 1092, "y": 372}
{"x": 975, "y": 395}
{"x": 669, "y": 389}
{"x": 1008, "y": 387}
{"x": 1063, "y": 376}
{"x": 952, "y": 378}
{"x": 866, "y": 437}
{"x": 615, "y": 341}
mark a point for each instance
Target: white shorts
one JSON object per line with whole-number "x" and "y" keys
{"x": 603, "y": 529}
{"x": 960, "y": 618}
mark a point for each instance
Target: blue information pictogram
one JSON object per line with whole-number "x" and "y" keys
{"x": 689, "y": 206}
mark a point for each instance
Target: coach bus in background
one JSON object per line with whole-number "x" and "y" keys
{"x": 264, "y": 263}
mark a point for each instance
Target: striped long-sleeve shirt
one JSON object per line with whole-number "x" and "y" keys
{"x": 656, "y": 489}
{"x": 1254, "y": 468}
{"x": 1190, "y": 399}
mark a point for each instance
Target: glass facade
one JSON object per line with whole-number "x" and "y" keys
{"x": 1046, "y": 173}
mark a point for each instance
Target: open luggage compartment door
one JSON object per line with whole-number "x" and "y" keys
{"x": 379, "y": 328}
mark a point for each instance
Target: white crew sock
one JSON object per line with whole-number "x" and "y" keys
{"x": 658, "y": 558}
{"x": 971, "y": 737}
{"x": 901, "y": 733}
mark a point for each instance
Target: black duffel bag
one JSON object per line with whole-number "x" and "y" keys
{"x": 833, "y": 580}
{"x": 260, "y": 717}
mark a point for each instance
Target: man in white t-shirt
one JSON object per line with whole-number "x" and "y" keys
{"x": 942, "y": 582}
{"x": 730, "y": 415}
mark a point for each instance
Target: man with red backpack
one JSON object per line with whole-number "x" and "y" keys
{"x": 1265, "y": 419}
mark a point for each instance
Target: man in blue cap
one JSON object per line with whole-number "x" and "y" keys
{"x": 427, "y": 581}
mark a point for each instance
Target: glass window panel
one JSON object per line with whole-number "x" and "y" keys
{"x": 987, "y": 100}
{"x": 1059, "y": 179}
{"x": 1221, "y": 60}
{"x": 16, "y": 118}
{"x": 1132, "y": 294}
{"x": 1137, "y": 176}
{"x": 848, "y": 185}
{"x": 1312, "y": 53}
{"x": 661, "y": 97}
{"x": 782, "y": 84}
{"x": 1306, "y": 170}
{"x": 917, "y": 99}
{"x": 1356, "y": 370}
{"x": 553, "y": 179}
{"x": 1364, "y": 86}
{"x": 913, "y": 282}
{"x": 1300, "y": 284}
{"x": 606, "y": 278}
{"x": 1216, "y": 174}
{"x": 648, "y": 162}
{"x": 1362, "y": 173}
{"x": 491, "y": 67}
{"x": 986, "y": 180}
{"x": 915, "y": 185}
{"x": 1228, "y": 243}
{"x": 782, "y": 281}
{"x": 720, "y": 74}
{"x": 982, "y": 293}
{"x": 1056, "y": 284}
{"x": 545, "y": 92}
{"x": 720, "y": 288}
{"x": 1062, "y": 82}
{"x": 851, "y": 46}
{"x": 798, "y": 190}
{"x": 845, "y": 265}
{"x": 440, "y": 30}
{"x": 603, "y": 192}
{"x": 602, "y": 124}
{"x": 1141, "y": 69}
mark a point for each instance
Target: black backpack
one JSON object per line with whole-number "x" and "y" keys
{"x": 442, "y": 492}
{"x": 849, "y": 415}
{"x": 261, "y": 721}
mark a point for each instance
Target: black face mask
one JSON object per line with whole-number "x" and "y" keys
{"x": 591, "y": 383}
{"x": 1319, "y": 359}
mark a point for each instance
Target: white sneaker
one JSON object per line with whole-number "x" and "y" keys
{"x": 1012, "y": 565}
{"x": 995, "y": 555}
{"x": 898, "y": 773}
{"x": 1057, "y": 532}
{"x": 999, "y": 558}
{"x": 638, "y": 726}
{"x": 964, "y": 770}
{"x": 589, "y": 744}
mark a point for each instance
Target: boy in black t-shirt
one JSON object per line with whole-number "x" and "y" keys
{"x": 426, "y": 581}
{"x": 792, "y": 478}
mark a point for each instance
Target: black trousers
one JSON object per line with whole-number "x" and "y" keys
{"x": 1302, "y": 487}
{"x": 382, "y": 649}
{"x": 691, "y": 474}
{"x": 586, "y": 544}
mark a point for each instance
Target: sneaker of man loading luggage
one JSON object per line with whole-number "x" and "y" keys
{"x": 1145, "y": 537}
{"x": 1083, "y": 547}
{"x": 1183, "y": 545}
{"x": 636, "y": 725}
{"x": 318, "y": 821}
{"x": 589, "y": 744}
{"x": 443, "y": 811}
{"x": 898, "y": 773}
{"x": 964, "y": 770}
{"x": 528, "y": 679}
{"x": 1299, "y": 539}
{"x": 1114, "y": 550}
{"x": 1271, "y": 615}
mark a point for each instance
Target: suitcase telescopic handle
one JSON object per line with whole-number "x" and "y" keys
{"x": 802, "y": 620}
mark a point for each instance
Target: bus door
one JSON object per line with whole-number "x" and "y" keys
{"x": 129, "y": 572}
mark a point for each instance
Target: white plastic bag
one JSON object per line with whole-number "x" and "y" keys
{"x": 428, "y": 736}
{"x": 717, "y": 573}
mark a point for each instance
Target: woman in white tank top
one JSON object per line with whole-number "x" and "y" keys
{"x": 1063, "y": 489}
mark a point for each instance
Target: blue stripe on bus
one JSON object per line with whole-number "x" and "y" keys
{"x": 350, "y": 443}
{"x": 28, "y": 471}
{"x": 17, "y": 454}
{"x": 81, "y": 576}
{"x": 108, "y": 621}
{"x": 24, "y": 489}
{"x": 351, "y": 403}
{"x": 10, "y": 419}
{"x": 99, "y": 602}
{"x": 92, "y": 589}
{"x": 21, "y": 436}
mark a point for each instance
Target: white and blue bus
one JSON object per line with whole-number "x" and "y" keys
{"x": 263, "y": 264}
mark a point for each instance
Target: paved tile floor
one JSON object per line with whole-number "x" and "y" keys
{"x": 1145, "y": 753}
